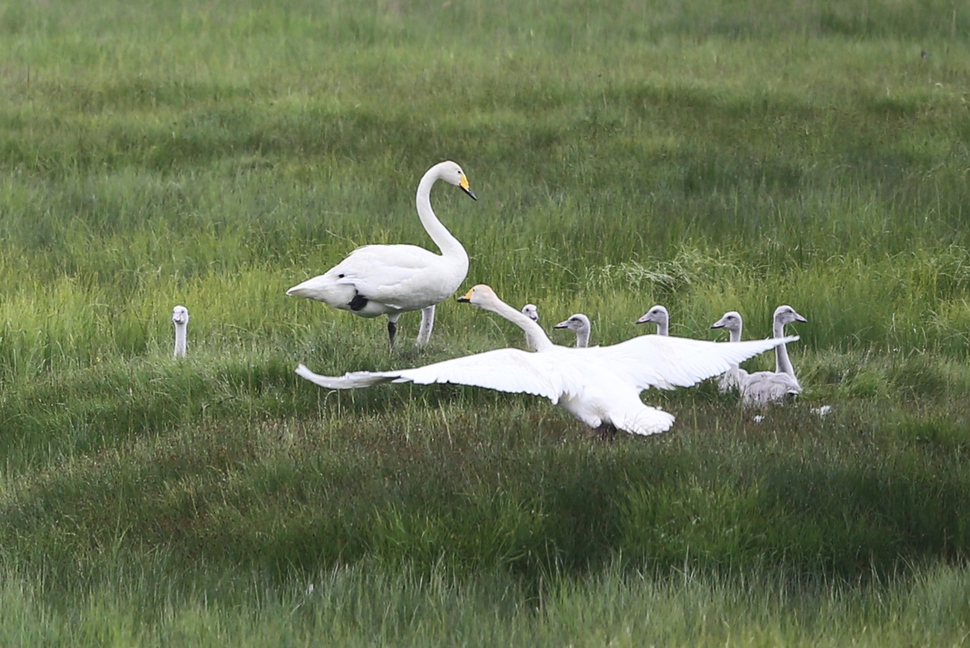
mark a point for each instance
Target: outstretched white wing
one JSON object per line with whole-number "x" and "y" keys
{"x": 668, "y": 362}
{"x": 507, "y": 370}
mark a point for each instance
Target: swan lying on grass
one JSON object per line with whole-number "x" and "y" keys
{"x": 598, "y": 385}
{"x": 735, "y": 377}
{"x": 657, "y": 315}
{"x": 180, "y": 318}
{"x": 580, "y": 325}
{"x": 763, "y": 386}
{"x": 772, "y": 386}
{"x": 393, "y": 279}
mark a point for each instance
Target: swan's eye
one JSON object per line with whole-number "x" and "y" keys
{"x": 340, "y": 276}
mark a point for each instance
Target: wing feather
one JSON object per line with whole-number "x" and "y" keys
{"x": 506, "y": 370}
{"x": 668, "y": 362}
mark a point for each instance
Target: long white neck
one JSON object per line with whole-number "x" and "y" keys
{"x": 663, "y": 327}
{"x": 582, "y": 338}
{"x": 180, "y": 330}
{"x": 450, "y": 247}
{"x": 782, "y": 363}
{"x": 535, "y": 336}
{"x": 734, "y": 335}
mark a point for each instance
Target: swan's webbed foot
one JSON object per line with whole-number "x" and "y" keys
{"x": 358, "y": 302}
{"x": 391, "y": 332}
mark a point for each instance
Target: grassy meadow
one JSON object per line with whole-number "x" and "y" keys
{"x": 709, "y": 156}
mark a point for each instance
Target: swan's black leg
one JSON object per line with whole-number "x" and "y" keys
{"x": 391, "y": 331}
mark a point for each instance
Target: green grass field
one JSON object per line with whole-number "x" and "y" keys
{"x": 709, "y": 156}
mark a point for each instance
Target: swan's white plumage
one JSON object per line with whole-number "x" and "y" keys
{"x": 580, "y": 325}
{"x": 657, "y": 315}
{"x": 598, "y": 385}
{"x": 180, "y": 318}
{"x": 389, "y": 280}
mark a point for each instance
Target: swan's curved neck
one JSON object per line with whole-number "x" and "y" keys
{"x": 734, "y": 335}
{"x": 663, "y": 327}
{"x": 537, "y": 337}
{"x": 582, "y": 338}
{"x": 450, "y": 246}
{"x": 782, "y": 362}
{"x": 180, "y": 340}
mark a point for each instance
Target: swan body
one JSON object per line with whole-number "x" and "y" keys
{"x": 180, "y": 318}
{"x": 389, "y": 280}
{"x": 598, "y": 385}
{"x": 657, "y": 315}
{"x": 773, "y": 386}
{"x": 735, "y": 377}
{"x": 580, "y": 325}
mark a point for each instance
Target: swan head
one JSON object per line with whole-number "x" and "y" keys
{"x": 480, "y": 295}
{"x": 451, "y": 173}
{"x": 657, "y": 315}
{"x": 731, "y": 321}
{"x": 531, "y": 311}
{"x": 786, "y": 315}
{"x": 577, "y": 323}
{"x": 180, "y": 316}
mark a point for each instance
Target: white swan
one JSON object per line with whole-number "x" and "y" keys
{"x": 659, "y": 316}
{"x": 580, "y": 325}
{"x": 735, "y": 377}
{"x": 598, "y": 385}
{"x": 772, "y": 386}
{"x": 393, "y": 279}
{"x": 532, "y": 312}
{"x": 180, "y": 318}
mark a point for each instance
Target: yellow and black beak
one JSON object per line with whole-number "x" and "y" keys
{"x": 467, "y": 297}
{"x": 463, "y": 183}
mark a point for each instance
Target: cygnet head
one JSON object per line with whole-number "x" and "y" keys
{"x": 531, "y": 311}
{"x": 657, "y": 315}
{"x": 786, "y": 315}
{"x": 580, "y": 325}
{"x": 180, "y": 315}
{"x": 450, "y": 172}
{"x": 730, "y": 321}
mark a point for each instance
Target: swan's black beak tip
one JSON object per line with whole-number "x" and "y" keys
{"x": 462, "y": 299}
{"x": 471, "y": 193}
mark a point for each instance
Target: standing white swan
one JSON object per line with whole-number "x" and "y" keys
{"x": 657, "y": 315}
{"x": 598, "y": 385}
{"x": 735, "y": 377}
{"x": 772, "y": 386}
{"x": 393, "y": 279}
{"x": 180, "y": 318}
{"x": 580, "y": 325}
